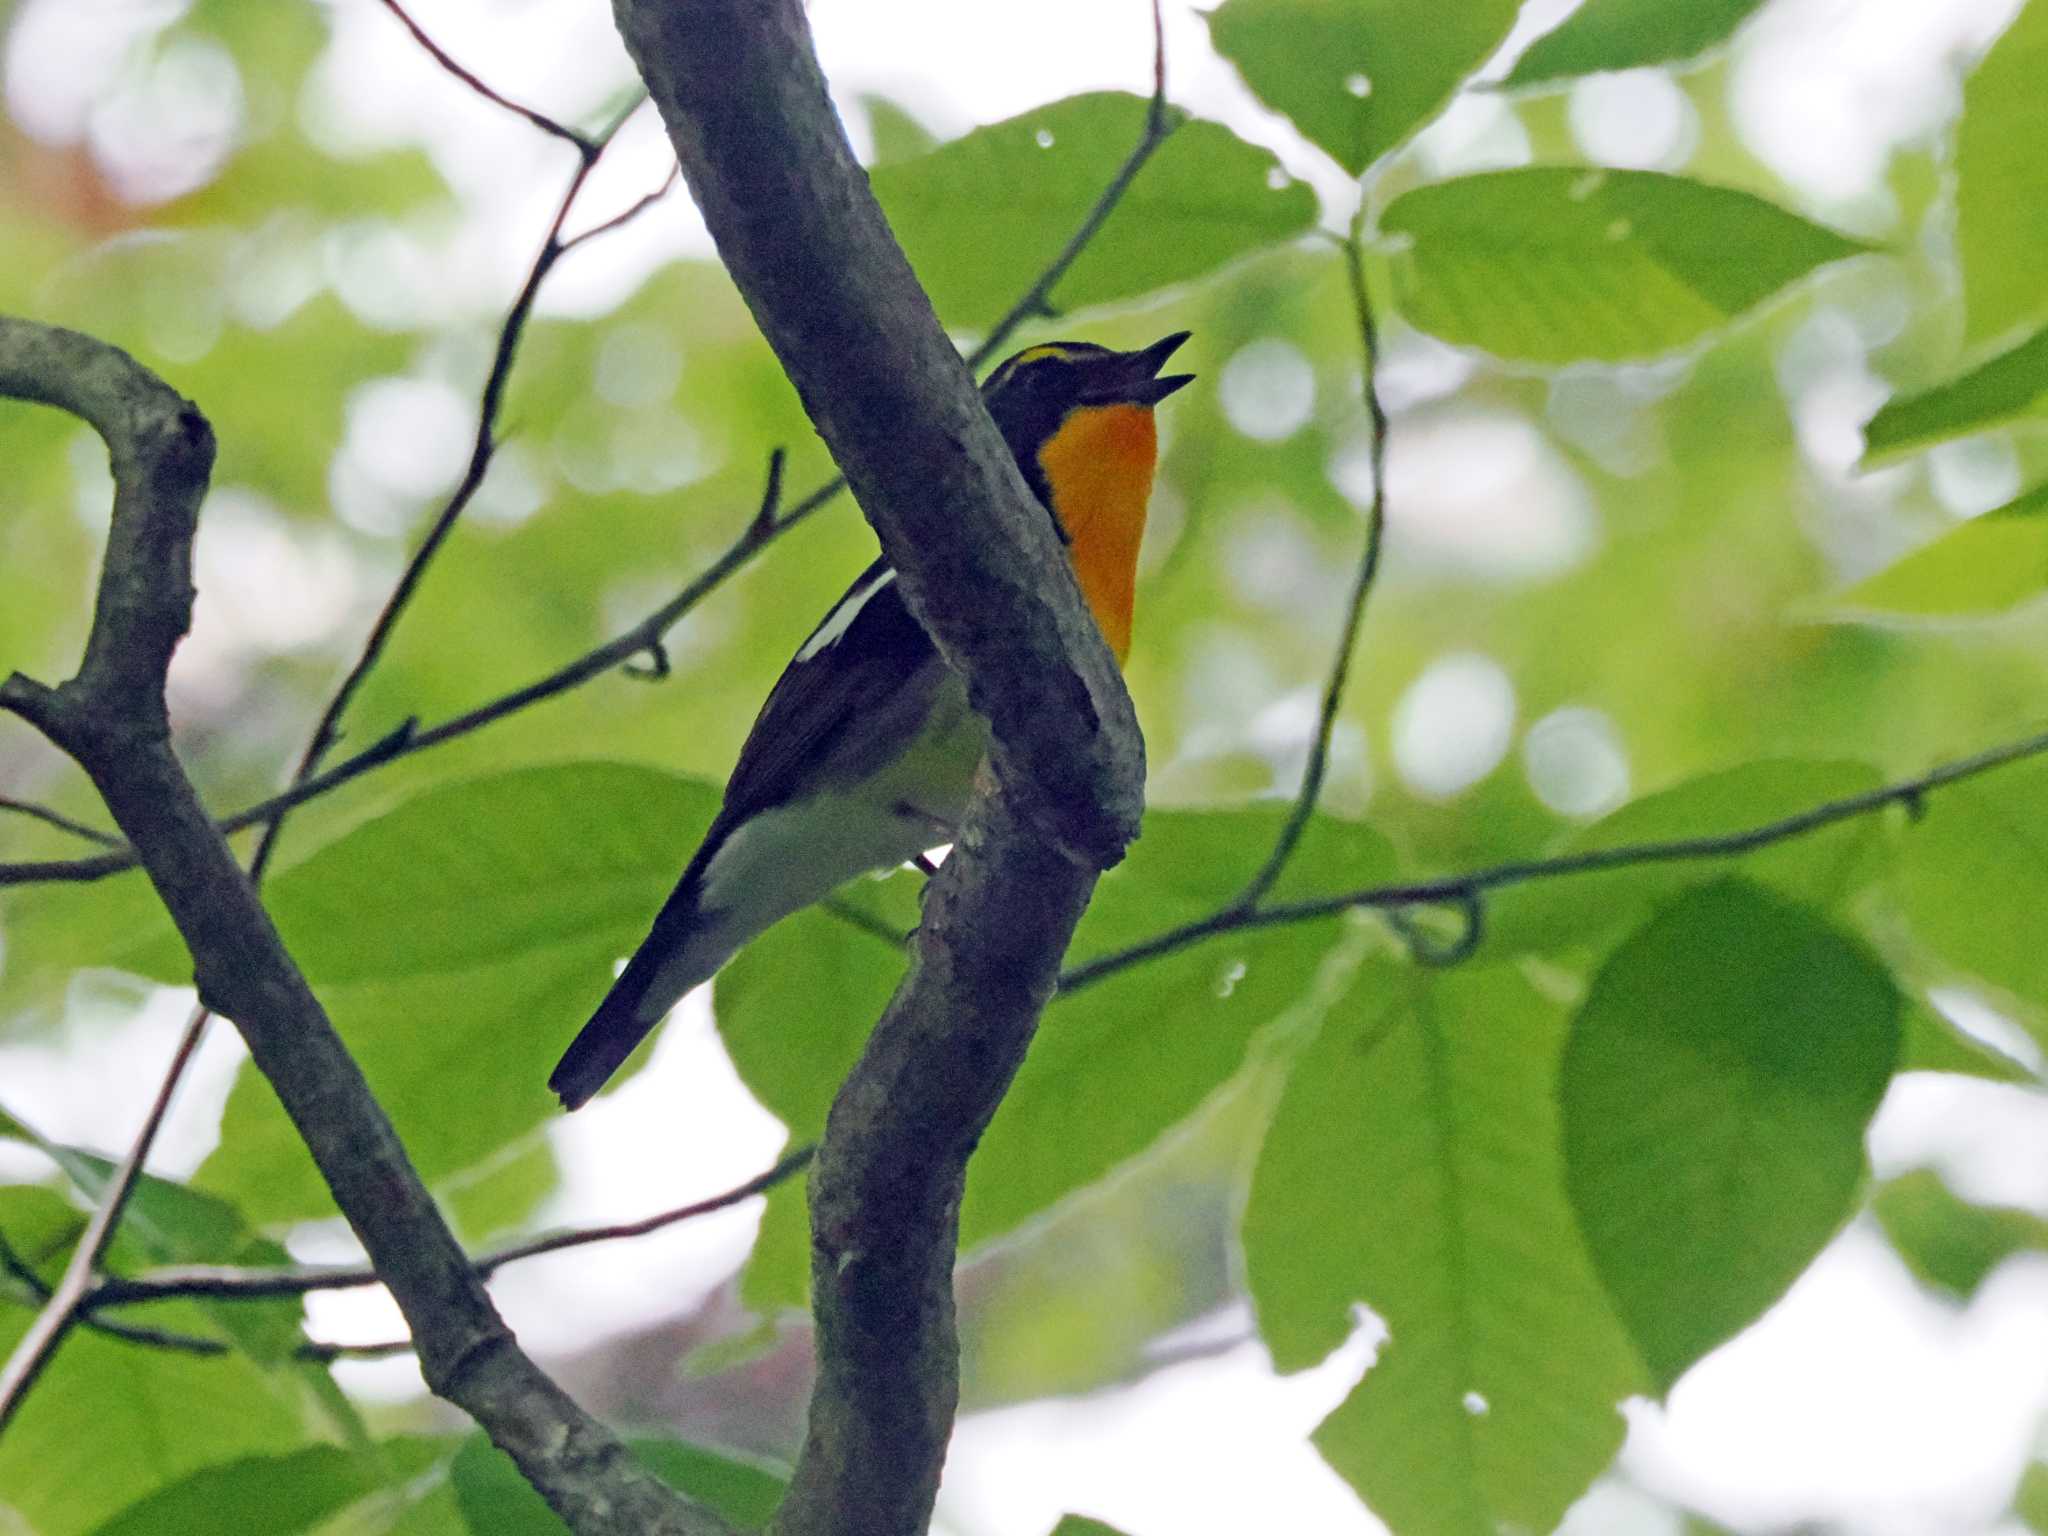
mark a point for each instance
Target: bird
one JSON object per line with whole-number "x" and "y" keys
{"x": 864, "y": 754}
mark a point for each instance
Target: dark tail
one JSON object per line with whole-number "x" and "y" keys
{"x": 670, "y": 960}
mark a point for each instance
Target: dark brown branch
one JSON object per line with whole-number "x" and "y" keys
{"x": 37, "y": 1291}
{"x": 483, "y": 446}
{"x": 231, "y": 1283}
{"x": 1467, "y": 891}
{"x": 586, "y": 146}
{"x": 110, "y": 717}
{"x": 58, "y": 820}
{"x": 1361, "y": 588}
{"x": 627, "y": 214}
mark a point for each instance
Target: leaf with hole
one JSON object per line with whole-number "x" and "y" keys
{"x": 1412, "y": 1167}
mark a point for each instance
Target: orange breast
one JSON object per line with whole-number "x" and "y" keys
{"x": 1099, "y": 466}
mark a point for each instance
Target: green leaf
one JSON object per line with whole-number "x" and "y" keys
{"x": 1558, "y": 265}
{"x": 1592, "y": 910}
{"x": 1081, "y": 1525}
{"x": 276, "y": 1495}
{"x": 1715, "y": 1092}
{"x": 1984, "y": 567}
{"x": 498, "y": 1194}
{"x": 1205, "y": 198}
{"x": 168, "y": 1413}
{"x": 794, "y": 1009}
{"x": 1098, "y": 1087}
{"x": 741, "y": 1491}
{"x": 1949, "y": 1243}
{"x": 56, "y": 931}
{"x": 1934, "y": 1044}
{"x": 2002, "y": 182}
{"x": 40, "y": 1226}
{"x": 496, "y": 1501}
{"x": 457, "y": 942}
{"x": 1412, "y": 1165}
{"x": 1976, "y": 861}
{"x": 2030, "y": 1500}
{"x": 2010, "y": 386}
{"x": 897, "y": 133}
{"x": 777, "y": 1278}
{"x": 170, "y": 1223}
{"x": 1628, "y": 34}
{"x": 1357, "y": 77}
{"x": 796, "y": 1005}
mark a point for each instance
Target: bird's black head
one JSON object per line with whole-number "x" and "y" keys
{"x": 1035, "y": 390}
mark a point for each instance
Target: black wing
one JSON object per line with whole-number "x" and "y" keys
{"x": 850, "y": 698}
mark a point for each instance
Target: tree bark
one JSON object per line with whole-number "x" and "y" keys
{"x": 111, "y": 717}
{"x": 737, "y": 83}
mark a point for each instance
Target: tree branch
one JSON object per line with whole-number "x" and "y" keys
{"x": 483, "y": 446}
{"x": 586, "y": 146}
{"x": 1467, "y": 891}
{"x": 233, "y": 1283}
{"x": 65, "y": 1303}
{"x": 58, "y": 820}
{"x": 111, "y": 718}
{"x": 768, "y": 163}
{"x": 1361, "y": 588}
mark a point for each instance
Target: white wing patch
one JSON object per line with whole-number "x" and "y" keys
{"x": 840, "y": 619}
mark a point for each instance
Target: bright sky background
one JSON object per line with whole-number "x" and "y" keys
{"x": 1859, "y": 1401}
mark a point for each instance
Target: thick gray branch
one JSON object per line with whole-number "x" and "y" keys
{"x": 162, "y": 453}
{"x": 764, "y": 155}
{"x": 111, "y": 718}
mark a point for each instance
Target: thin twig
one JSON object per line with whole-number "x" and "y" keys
{"x": 46, "y": 1333}
{"x": 1467, "y": 891}
{"x": 1354, "y": 612}
{"x": 622, "y": 648}
{"x": 1159, "y": 123}
{"x": 626, "y": 215}
{"x": 586, "y": 146}
{"x": 228, "y": 1282}
{"x": 60, "y": 821}
{"x": 39, "y": 1291}
{"x": 482, "y": 447}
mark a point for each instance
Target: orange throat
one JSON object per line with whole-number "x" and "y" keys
{"x": 1099, "y": 466}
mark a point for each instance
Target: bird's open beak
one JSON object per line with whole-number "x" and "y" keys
{"x": 1136, "y": 379}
